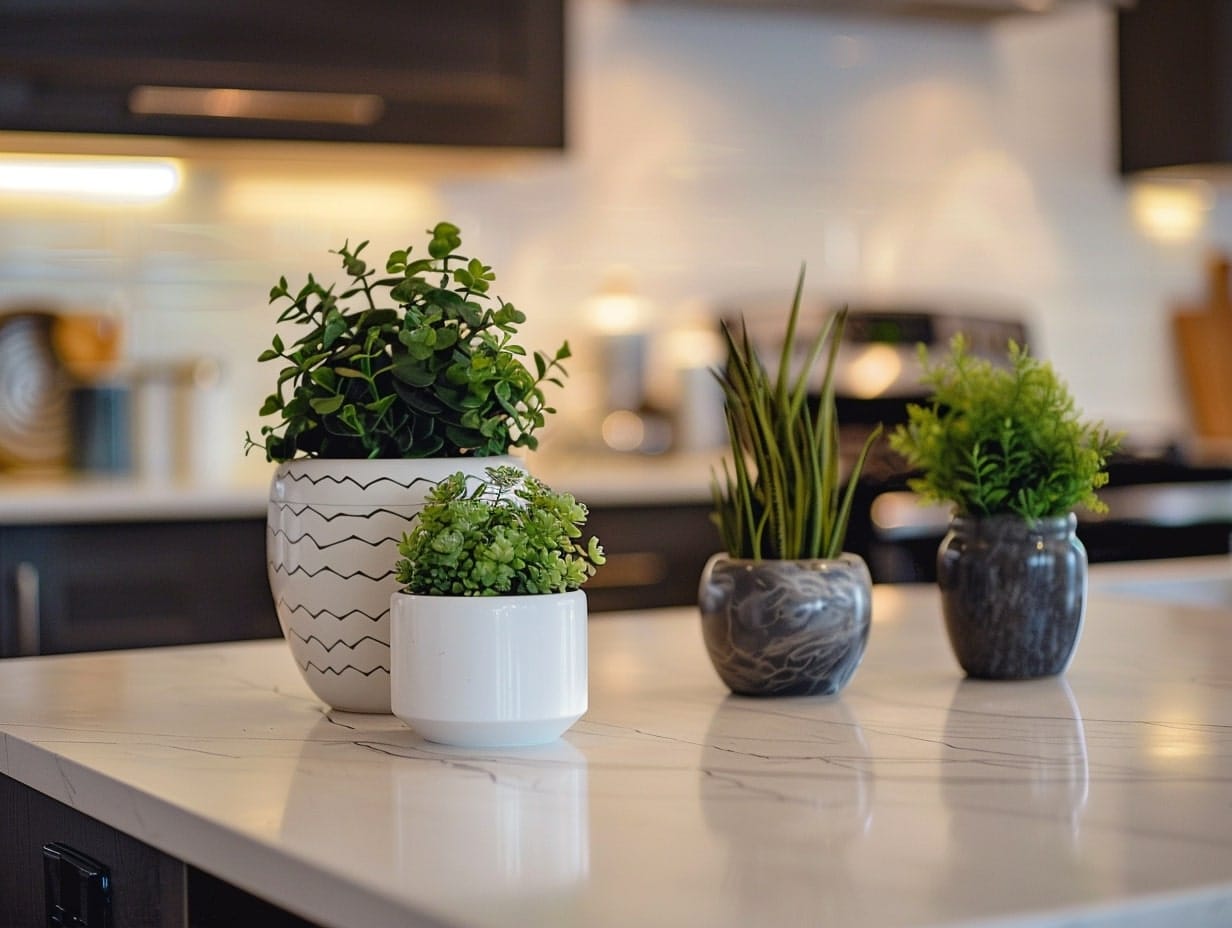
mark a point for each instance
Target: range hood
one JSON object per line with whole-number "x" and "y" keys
{"x": 1174, "y": 64}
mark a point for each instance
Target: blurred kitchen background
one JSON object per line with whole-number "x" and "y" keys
{"x": 929, "y": 161}
{"x": 711, "y": 148}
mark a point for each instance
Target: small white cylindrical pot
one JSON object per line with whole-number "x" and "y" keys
{"x": 489, "y": 671}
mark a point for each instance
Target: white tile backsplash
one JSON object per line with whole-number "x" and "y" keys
{"x": 711, "y": 151}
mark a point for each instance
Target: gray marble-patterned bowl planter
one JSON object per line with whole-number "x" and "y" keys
{"x": 785, "y": 628}
{"x": 1013, "y": 594}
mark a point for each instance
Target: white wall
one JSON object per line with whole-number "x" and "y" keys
{"x": 710, "y": 152}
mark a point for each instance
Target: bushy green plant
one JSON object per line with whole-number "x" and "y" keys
{"x": 999, "y": 440}
{"x": 417, "y": 364}
{"x": 507, "y": 535}
{"x": 780, "y": 495}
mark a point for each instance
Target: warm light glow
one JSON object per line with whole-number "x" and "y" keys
{"x": 623, "y": 430}
{"x": 616, "y": 309}
{"x": 616, "y": 313}
{"x": 310, "y": 195}
{"x": 873, "y": 371}
{"x": 144, "y": 180}
{"x": 695, "y": 347}
{"x": 1170, "y": 212}
{"x": 1181, "y": 741}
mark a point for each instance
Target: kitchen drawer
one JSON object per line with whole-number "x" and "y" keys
{"x": 101, "y": 586}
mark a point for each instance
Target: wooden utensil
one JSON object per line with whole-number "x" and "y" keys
{"x": 87, "y": 344}
{"x": 1204, "y": 341}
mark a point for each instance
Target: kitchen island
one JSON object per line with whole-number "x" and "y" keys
{"x": 1103, "y": 797}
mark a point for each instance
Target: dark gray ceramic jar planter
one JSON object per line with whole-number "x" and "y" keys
{"x": 785, "y": 628}
{"x": 1013, "y": 593}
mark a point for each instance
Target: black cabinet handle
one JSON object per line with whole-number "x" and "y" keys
{"x": 77, "y": 888}
{"x": 352, "y": 109}
{"x": 29, "y": 616}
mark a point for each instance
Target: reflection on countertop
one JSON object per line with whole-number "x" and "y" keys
{"x": 64, "y": 496}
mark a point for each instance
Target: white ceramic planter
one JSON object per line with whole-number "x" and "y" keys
{"x": 489, "y": 671}
{"x": 332, "y": 542}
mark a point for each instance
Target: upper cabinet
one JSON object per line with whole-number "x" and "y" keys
{"x": 1175, "y": 85}
{"x": 466, "y": 72}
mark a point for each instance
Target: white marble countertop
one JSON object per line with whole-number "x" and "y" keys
{"x": 914, "y": 798}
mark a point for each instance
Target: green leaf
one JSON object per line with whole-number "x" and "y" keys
{"x": 445, "y": 238}
{"x": 325, "y": 405}
{"x": 397, "y": 261}
{"x": 412, "y": 371}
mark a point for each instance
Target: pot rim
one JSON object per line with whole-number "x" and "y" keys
{"x": 496, "y": 598}
{"x": 1041, "y": 525}
{"x": 846, "y": 558}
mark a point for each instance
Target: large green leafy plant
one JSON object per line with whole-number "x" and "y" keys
{"x": 997, "y": 440}
{"x": 419, "y": 363}
{"x": 781, "y": 494}
{"x": 507, "y": 535}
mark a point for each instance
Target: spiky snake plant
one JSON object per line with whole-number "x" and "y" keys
{"x": 780, "y": 495}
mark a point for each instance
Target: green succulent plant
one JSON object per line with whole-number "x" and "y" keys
{"x": 504, "y": 536}
{"x": 420, "y": 363}
{"x": 781, "y": 494}
{"x": 996, "y": 440}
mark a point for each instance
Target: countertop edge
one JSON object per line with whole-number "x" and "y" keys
{"x": 286, "y": 879}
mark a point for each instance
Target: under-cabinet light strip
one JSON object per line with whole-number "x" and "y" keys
{"x": 131, "y": 179}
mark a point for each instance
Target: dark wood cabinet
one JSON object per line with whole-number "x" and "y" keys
{"x": 107, "y": 585}
{"x": 469, "y": 72}
{"x": 98, "y": 586}
{"x": 1173, "y": 83}
{"x": 655, "y": 555}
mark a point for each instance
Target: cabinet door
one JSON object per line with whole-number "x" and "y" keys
{"x": 467, "y": 72}
{"x": 124, "y": 585}
{"x": 655, "y": 555}
{"x": 147, "y": 886}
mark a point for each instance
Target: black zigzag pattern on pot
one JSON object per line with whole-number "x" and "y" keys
{"x": 282, "y": 603}
{"x": 329, "y": 647}
{"x": 308, "y": 536}
{"x": 341, "y": 596}
{"x": 337, "y": 672}
{"x": 348, "y": 478}
{"x": 281, "y": 568}
{"x": 364, "y": 514}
